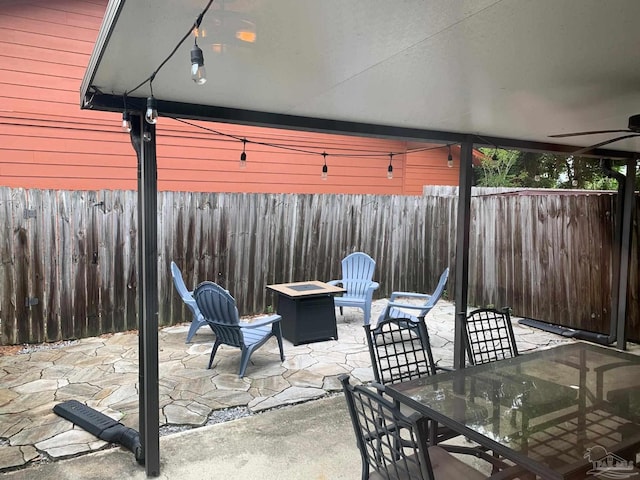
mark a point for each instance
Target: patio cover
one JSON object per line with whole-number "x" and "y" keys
{"x": 498, "y": 73}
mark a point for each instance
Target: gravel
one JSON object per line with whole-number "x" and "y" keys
{"x": 218, "y": 416}
{"x": 46, "y": 346}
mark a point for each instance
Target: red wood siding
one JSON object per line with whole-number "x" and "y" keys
{"x": 48, "y": 142}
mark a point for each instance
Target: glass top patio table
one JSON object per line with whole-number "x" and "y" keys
{"x": 558, "y": 412}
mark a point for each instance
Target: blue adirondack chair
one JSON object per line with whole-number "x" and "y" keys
{"x": 187, "y": 297}
{"x": 397, "y": 309}
{"x": 357, "y": 280}
{"x": 220, "y": 312}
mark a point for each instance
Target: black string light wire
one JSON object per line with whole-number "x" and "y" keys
{"x": 151, "y": 101}
{"x": 245, "y": 140}
{"x": 199, "y": 76}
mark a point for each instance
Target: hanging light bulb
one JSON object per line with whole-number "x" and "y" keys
{"x": 450, "y": 159}
{"x": 243, "y": 155}
{"x": 390, "y": 167}
{"x": 126, "y": 121}
{"x": 198, "y": 72}
{"x": 152, "y": 110}
{"x": 325, "y": 169}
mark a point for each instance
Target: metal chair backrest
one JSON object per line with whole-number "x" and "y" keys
{"x": 489, "y": 335}
{"x": 221, "y": 313}
{"x": 388, "y": 441}
{"x": 400, "y": 350}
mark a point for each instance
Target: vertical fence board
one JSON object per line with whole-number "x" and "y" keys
{"x": 22, "y": 268}
{"x": 8, "y": 311}
{"x": 48, "y": 246}
{"x": 64, "y": 257}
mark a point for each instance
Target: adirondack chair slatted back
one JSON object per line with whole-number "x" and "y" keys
{"x": 417, "y": 310}
{"x": 357, "y": 273}
{"x": 187, "y": 297}
{"x": 220, "y": 310}
{"x": 437, "y": 293}
{"x": 357, "y": 280}
{"x": 179, "y": 282}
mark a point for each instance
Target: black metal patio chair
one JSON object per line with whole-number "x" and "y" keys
{"x": 391, "y": 445}
{"x": 400, "y": 351}
{"x": 489, "y": 337}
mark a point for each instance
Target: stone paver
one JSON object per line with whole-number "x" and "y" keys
{"x": 103, "y": 373}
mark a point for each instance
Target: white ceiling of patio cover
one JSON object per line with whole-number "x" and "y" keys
{"x": 518, "y": 69}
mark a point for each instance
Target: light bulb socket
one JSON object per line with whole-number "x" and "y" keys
{"x": 243, "y": 157}
{"x": 196, "y": 56}
{"x": 152, "y": 110}
{"x": 126, "y": 121}
{"x": 390, "y": 172}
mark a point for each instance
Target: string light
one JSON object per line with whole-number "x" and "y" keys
{"x": 198, "y": 72}
{"x": 243, "y": 155}
{"x": 449, "y": 158}
{"x": 126, "y": 120}
{"x": 151, "y": 116}
{"x": 325, "y": 169}
{"x": 390, "y": 167}
{"x": 494, "y": 157}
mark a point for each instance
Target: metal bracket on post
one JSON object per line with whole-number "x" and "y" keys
{"x": 30, "y": 213}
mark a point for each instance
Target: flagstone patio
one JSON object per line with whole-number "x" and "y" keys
{"x": 103, "y": 373}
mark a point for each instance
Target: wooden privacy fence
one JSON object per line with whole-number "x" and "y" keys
{"x": 68, "y": 258}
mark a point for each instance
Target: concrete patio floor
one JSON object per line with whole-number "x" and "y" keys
{"x": 103, "y": 373}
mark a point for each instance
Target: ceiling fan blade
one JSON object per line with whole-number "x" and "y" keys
{"x": 595, "y": 132}
{"x": 602, "y": 144}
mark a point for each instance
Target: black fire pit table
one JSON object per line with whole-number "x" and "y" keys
{"x": 307, "y": 311}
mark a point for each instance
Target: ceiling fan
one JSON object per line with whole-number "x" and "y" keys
{"x": 632, "y": 131}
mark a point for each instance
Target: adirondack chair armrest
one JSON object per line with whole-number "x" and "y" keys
{"x": 374, "y": 285}
{"x": 395, "y": 295}
{"x": 405, "y": 305}
{"x": 334, "y": 282}
{"x": 262, "y": 321}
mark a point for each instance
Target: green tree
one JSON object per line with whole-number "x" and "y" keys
{"x": 497, "y": 169}
{"x": 513, "y": 168}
